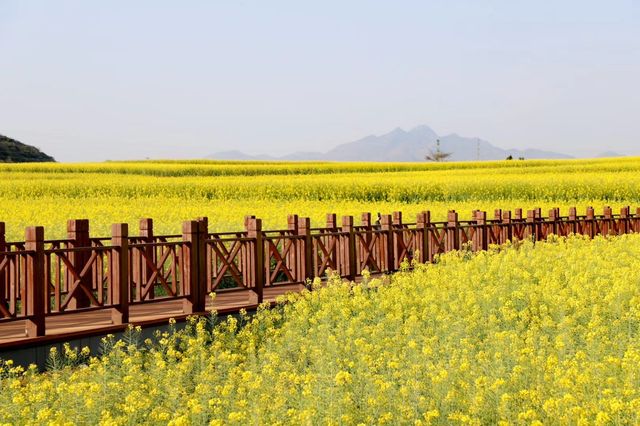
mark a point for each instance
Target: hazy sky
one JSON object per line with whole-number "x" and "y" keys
{"x": 90, "y": 80}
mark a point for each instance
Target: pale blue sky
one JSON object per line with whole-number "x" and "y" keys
{"x": 89, "y": 80}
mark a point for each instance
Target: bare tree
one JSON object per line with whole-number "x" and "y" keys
{"x": 437, "y": 155}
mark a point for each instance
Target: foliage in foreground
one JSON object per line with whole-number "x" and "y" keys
{"x": 521, "y": 335}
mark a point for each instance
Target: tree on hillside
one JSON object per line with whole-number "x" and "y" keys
{"x": 437, "y": 155}
{"x": 12, "y": 151}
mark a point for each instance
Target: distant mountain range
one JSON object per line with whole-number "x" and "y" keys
{"x": 400, "y": 145}
{"x": 608, "y": 154}
{"x": 12, "y": 151}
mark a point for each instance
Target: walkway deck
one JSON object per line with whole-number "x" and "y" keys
{"x": 81, "y": 323}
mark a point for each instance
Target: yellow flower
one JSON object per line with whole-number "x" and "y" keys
{"x": 343, "y": 378}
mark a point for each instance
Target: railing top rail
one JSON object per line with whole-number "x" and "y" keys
{"x": 16, "y": 253}
{"x": 20, "y": 243}
{"x": 230, "y": 239}
{"x": 144, "y": 237}
{"x": 158, "y": 244}
{"x": 365, "y": 227}
{"x": 403, "y": 224}
{"x": 330, "y": 234}
{"x": 399, "y": 229}
{"x": 278, "y": 231}
{"x": 215, "y": 234}
{"x": 284, "y": 237}
{"x": 80, "y": 249}
{"x": 14, "y": 243}
{"x": 372, "y": 231}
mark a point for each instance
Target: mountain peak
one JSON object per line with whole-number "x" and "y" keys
{"x": 609, "y": 154}
{"x": 422, "y": 128}
{"x": 424, "y": 131}
{"x": 399, "y": 145}
{"x": 397, "y": 131}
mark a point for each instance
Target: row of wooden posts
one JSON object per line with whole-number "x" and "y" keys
{"x": 42, "y": 278}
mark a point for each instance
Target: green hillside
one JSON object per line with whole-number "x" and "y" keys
{"x": 12, "y": 151}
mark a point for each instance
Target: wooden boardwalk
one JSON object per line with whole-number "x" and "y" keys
{"x": 79, "y": 323}
{"x": 54, "y": 290}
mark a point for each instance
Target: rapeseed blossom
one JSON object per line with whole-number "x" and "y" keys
{"x": 519, "y": 335}
{"x": 171, "y": 192}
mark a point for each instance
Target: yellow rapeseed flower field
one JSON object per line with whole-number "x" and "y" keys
{"x": 173, "y": 191}
{"x": 519, "y": 335}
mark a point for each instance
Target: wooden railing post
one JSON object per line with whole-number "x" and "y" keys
{"x": 532, "y": 231}
{"x": 248, "y": 257}
{"x": 560, "y": 220}
{"x": 635, "y": 221}
{"x": 306, "y": 249}
{"x": 35, "y": 287}
{"x": 573, "y": 220}
{"x": 396, "y": 218}
{"x": 507, "y": 227}
{"x": 146, "y": 229}
{"x": 348, "y": 249}
{"x": 624, "y": 223}
{"x": 607, "y": 223}
{"x": 194, "y": 287}
{"x": 332, "y": 223}
{"x": 247, "y": 220}
{"x": 497, "y": 215}
{"x": 140, "y": 268}
{"x": 422, "y": 236}
{"x": 552, "y": 225}
{"x": 366, "y": 226}
{"x": 591, "y": 225}
{"x": 292, "y": 222}
{"x": 388, "y": 259}
{"x": 206, "y": 270}
{"x": 452, "y": 241}
{"x": 254, "y": 231}
{"x": 517, "y": 214}
{"x": 120, "y": 273}
{"x": 78, "y": 233}
{"x": 3, "y": 247}
{"x": 365, "y": 219}
{"x": 331, "y": 226}
{"x": 204, "y": 258}
{"x": 480, "y": 236}
{"x": 294, "y": 256}
{"x": 205, "y": 221}
{"x": 397, "y": 235}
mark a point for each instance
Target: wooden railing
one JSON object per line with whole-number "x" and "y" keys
{"x": 41, "y": 279}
